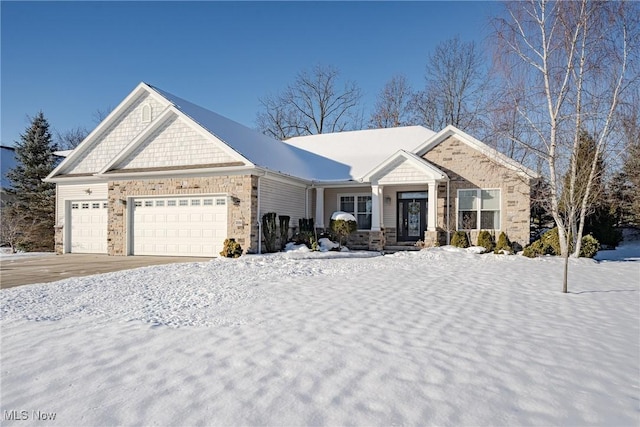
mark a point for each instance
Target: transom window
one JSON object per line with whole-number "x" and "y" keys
{"x": 358, "y": 205}
{"x": 478, "y": 209}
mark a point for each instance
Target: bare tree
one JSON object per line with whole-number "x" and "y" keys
{"x": 312, "y": 104}
{"x": 456, "y": 85}
{"x": 100, "y": 114}
{"x": 70, "y": 139}
{"x": 574, "y": 61}
{"x": 11, "y": 228}
{"x": 392, "y": 108}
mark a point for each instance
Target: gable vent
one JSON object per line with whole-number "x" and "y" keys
{"x": 146, "y": 113}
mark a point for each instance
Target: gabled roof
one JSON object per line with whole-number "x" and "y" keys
{"x": 472, "y": 142}
{"x": 401, "y": 156}
{"x": 259, "y": 149}
{"x": 361, "y": 150}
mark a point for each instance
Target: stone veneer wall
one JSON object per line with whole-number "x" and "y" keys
{"x": 241, "y": 219}
{"x": 468, "y": 168}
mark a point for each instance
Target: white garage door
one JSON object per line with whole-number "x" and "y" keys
{"x": 89, "y": 226}
{"x": 179, "y": 226}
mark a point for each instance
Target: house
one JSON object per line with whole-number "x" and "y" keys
{"x": 7, "y": 162}
{"x": 162, "y": 176}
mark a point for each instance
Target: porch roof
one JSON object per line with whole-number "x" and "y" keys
{"x": 422, "y": 169}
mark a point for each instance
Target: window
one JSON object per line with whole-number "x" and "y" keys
{"x": 195, "y": 202}
{"x": 171, "y": 202}
{"x": 478, "y": 209}
{"x": 105, "y": 205}
{"x": 183, "y": 203}
{"x": 95, "y": 206}
{"x": 74, "y": 206}
{"x": 137, "y": 203}
{"x": 85, "y": 206}
{"x": 148, "y": 203}
{"x": 221, "y": 202}
{"x": 207, "y": 202}
{"x": 159, "y": 202}
{"x": 359, "y": 206}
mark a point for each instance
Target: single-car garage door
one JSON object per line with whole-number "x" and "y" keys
{"x": 88, "y": 231}
{"x": 179, "y": 226}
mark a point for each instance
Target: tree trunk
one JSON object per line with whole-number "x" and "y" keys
{"x": 566, "y": 272}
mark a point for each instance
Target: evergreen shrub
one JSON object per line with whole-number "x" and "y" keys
{"x": 504, "y": 244}
{"x": 231, "y": 249}
{"x": 485, "y": 239}
{"x": 460, "y": 239}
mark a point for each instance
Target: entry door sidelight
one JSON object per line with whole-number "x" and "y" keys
{"x": 412, "y": 216}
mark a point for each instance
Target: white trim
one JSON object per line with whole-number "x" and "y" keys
{"x": 320, "y": 207}
{"x": 355, "y": 206}
{"x": 432, "y": 172}
{"x": 479, "y": 209}
{"x": 474, "y": 143}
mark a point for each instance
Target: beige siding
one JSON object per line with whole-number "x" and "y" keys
{"x": 68, "y": 192}
{"x": 175, "y": 144}
{"x": 113, "y": 139}
{"x": 403, "y": 172}
{"x": 282, "y": 198}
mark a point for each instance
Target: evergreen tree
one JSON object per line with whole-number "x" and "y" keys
{"x": 34, "y": 203}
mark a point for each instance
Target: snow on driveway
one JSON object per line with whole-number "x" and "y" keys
{"x": 436, "y": 337}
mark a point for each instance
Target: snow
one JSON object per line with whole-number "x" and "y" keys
{"x": 256, "y": 147}
{"x": 441, "y": 336}
{"x": 344, "y": 216}
{"x": 361, "y": 150}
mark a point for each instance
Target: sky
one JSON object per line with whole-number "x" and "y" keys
{"x": 71, "y": 59}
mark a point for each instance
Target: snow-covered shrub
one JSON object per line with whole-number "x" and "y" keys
{"x": 590, "y": 246}
{"x": 503, "y": 245}
{"x": 460, "y": 239}
{"x": 231, "y": 249}
{"x": 485, "y": 239}
{"x": 269, "y": 231}
{"x": 343, "y": 224}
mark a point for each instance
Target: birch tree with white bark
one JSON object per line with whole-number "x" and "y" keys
{"x": 576, "y": 60}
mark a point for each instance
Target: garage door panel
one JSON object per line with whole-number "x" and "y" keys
{"x": 88, "y": 227}
{"x": 188, "y": 225}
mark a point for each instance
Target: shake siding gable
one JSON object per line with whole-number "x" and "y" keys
{"x": 283, "y": 199}
{"x": 401, "y": 173}
{"x": 175, "y": 143}
{"x": 113, "y": 139}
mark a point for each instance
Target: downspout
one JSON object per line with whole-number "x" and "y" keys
{"x": 448, "y": 212}
{"x": 258, "y": 217}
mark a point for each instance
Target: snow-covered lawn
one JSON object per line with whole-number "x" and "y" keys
{"x": 437, "y": 337}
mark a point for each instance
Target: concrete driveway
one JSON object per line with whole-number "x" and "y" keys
{"x": 49, "y": 268}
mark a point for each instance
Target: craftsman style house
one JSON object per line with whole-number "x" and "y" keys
{"x": 162, "y": 176}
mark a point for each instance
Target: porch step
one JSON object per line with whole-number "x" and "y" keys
{"x": 397, "y": 248}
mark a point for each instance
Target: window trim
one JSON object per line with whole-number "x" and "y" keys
{"x": 355, "y": 205}
{"x": 479, "y": 209}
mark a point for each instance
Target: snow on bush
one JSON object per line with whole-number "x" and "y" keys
{"x": 344, "y": 216}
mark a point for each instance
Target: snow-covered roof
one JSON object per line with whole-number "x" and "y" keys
{"x": 361, "y": 150}
{"x": 259, "y": 149}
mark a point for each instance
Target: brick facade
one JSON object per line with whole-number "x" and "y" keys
{"x": 241, "y": 216}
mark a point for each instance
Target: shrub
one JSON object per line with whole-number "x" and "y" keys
{"x": 590, "y": 246}
{"x": 549, "y": 244}
{"x": 485, "y": 239}
{"x": 460, "y": 239}
{"x": 504, "y": 244}
{"x": 343, "y": 225}
{"x": 269, "y": 231}
{"x": 231, "y": 249}
{"x": 284, "y": 230}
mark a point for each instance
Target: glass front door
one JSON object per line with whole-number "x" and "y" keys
{"x": 412, "y": 216}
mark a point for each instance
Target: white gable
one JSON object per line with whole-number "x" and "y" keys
{"x": 114, "y": 138}
{"x": 403, "y": 172}
{"x": 175, "y": 143}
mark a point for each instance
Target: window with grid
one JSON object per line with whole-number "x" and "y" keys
{"x": 358, "y": 205}
{"x": 478, "y": 209}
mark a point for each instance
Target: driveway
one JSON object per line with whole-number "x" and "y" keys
{"x": 49, "y": 268}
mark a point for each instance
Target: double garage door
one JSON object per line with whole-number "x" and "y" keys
{"x": 179, "y": 226}
{"x": 176, "y": 226}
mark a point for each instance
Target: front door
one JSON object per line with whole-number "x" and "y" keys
{"x": 412, "y": 215}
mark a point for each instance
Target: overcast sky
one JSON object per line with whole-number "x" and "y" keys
{"x": 70, "y": 59}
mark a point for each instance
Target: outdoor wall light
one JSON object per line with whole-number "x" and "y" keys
{"x": 235, "y": 200}
{"x": 122, "y": 202}
{"x": 88, "y": 191}
{"x": 387, "y": 200}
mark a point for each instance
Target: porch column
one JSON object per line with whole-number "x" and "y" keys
{"x": 376, "y": 207}
{"x": 433, "y": 205}
{"x": 320, "y": 207}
